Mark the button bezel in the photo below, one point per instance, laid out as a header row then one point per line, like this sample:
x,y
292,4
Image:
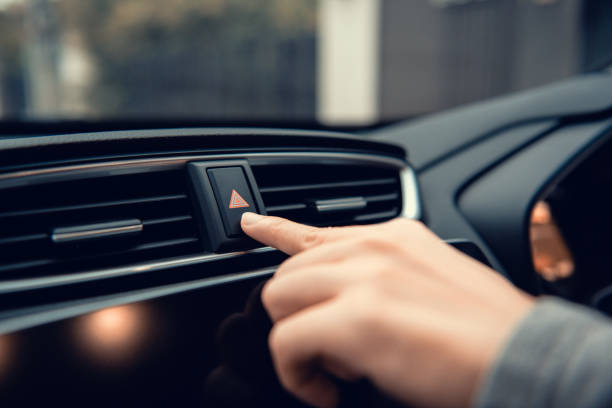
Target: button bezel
x,y
208,215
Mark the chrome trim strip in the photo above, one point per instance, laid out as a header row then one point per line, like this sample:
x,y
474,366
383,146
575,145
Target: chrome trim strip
x,y
410,191
341,204
60,237
49,281
124,166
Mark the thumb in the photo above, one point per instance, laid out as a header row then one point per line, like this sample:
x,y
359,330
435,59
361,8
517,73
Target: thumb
x,y
287,236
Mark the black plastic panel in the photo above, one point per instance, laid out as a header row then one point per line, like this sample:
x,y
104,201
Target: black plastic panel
x,y
499,203
195,344
441,184
214,223
33,151
435,138
158,353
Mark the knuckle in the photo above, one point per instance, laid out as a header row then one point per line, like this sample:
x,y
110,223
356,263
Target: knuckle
x,y
284,267
269,296
371,240
364,302
289,265
278,340
376,241
384,272
312,238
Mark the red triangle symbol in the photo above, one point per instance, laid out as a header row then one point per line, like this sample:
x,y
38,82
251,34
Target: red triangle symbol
x,y
236,201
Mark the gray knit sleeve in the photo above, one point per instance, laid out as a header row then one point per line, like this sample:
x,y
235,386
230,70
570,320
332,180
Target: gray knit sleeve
x,y
560,356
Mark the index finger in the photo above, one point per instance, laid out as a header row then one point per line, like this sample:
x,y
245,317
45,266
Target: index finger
x,y
288,236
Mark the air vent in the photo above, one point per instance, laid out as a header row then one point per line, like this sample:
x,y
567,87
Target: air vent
x,y
84,224
330,194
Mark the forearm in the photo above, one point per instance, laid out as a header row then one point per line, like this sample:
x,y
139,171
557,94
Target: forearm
x,y
558,357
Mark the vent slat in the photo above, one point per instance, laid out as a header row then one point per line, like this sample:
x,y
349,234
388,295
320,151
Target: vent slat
x,y
139,248
23,238
292,191
168,243
381,197
376,216
25,265
286,207
167,220
318,186
362,218
93,206
302,206
30,213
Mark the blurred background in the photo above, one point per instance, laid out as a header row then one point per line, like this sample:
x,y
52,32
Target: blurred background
x,y
338,62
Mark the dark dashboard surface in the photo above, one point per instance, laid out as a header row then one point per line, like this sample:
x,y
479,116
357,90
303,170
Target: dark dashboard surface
x,y
205,346
194,334
160,352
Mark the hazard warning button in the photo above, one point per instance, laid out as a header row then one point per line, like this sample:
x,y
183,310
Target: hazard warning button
x,y
236,201
233,195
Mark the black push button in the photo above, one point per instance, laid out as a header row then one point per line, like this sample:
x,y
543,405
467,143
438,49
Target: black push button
x,y
223,190
233,195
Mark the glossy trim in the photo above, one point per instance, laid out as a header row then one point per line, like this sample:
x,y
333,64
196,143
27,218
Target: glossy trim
x,y
36,176
411,199
50,281
61,235
341,204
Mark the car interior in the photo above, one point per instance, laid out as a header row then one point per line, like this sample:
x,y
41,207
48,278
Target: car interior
x,y
125,278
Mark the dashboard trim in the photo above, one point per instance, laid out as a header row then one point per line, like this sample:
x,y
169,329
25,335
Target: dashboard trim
x,y
17,285
411,202
127,166
410,205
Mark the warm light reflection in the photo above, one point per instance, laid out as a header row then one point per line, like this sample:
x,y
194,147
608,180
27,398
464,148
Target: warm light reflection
x,y
6,354
551,256
114,335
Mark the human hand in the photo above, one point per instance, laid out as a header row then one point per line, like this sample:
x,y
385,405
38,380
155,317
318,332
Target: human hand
x,y
391,303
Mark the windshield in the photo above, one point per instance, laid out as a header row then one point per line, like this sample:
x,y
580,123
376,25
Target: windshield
x,y
351,62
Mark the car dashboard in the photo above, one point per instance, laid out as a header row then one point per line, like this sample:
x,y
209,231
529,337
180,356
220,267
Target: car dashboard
x,y
125,279
122,276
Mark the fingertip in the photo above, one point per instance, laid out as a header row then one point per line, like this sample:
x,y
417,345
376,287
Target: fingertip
x,y
288,236
248,219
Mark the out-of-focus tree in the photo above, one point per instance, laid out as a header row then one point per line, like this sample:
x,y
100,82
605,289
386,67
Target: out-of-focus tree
x,y
11,63
189,58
